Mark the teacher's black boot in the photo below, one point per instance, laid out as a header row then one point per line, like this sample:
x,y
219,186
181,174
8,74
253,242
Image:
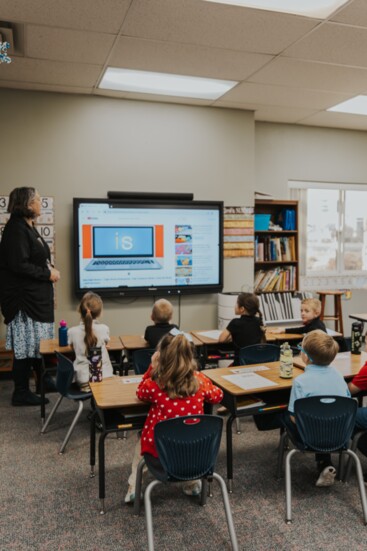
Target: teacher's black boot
x,y
22,396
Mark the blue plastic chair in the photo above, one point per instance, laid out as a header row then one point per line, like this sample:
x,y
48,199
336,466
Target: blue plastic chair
x,y
187,450
257,353
325,425
141,359
64,386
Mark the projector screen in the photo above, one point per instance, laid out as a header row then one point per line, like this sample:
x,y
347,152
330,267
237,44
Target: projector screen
x,y
134,248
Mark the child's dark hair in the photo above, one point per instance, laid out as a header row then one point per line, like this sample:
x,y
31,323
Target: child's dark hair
x,y
90,308
19,201
176,367
250,302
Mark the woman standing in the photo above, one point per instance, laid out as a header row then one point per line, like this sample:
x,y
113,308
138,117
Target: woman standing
x,y
26,290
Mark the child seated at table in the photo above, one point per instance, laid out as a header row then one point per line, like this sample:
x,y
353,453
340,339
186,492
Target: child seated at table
x,y
359,385
174,387
247,329
88,334
161,316
310,315
318,350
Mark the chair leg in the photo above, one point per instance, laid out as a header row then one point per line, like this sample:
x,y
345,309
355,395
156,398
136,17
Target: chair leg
x,y
148,513
227,508
138,484
53,411
353,448
238,425
72,427
362,490
288,486
283,443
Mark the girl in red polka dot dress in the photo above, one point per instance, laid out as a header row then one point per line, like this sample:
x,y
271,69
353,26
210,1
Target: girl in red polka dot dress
x,y
174,388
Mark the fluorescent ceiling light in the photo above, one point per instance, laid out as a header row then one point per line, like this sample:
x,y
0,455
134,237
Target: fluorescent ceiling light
x,y
319,9
356,106
164,84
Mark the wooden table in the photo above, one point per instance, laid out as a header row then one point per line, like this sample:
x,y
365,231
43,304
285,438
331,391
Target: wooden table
x,y
48,349
6,357
118,409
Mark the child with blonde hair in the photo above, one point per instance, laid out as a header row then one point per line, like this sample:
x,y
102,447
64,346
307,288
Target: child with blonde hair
x,y
248,328
161,316
88,334
310,314
174,388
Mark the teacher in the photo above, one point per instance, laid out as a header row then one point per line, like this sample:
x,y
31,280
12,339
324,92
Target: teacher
x,y
26,290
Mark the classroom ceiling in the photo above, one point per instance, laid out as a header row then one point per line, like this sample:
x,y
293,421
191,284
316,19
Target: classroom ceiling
x,y
290,69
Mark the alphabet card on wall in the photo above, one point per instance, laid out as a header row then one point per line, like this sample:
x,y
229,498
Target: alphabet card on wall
x,y
238,238
45,223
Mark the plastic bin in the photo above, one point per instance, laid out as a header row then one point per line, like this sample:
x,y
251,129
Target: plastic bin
x,y
262,222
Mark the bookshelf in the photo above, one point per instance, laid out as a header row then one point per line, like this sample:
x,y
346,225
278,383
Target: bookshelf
x,y
276,251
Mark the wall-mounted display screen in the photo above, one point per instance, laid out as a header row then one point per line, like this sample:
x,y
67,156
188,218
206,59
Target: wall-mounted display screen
x,y
135,248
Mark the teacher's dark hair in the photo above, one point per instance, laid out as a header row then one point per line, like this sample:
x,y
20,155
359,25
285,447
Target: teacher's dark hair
x,y
19,201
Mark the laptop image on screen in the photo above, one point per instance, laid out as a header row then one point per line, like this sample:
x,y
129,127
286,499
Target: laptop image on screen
x,y
123,248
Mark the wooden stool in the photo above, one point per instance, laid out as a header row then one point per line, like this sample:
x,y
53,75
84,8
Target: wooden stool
x,y
337,317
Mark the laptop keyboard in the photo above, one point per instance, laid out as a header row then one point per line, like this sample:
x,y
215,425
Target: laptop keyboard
x,y
124,262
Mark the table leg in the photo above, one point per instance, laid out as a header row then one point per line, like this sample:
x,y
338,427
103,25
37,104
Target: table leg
x,y
92,447
230,421
101,470
42,392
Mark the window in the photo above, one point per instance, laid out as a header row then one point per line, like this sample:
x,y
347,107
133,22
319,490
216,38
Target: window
x,y
333,229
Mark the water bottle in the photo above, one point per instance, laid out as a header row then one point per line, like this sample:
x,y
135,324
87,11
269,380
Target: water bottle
x,y
286,361
357,328
63,333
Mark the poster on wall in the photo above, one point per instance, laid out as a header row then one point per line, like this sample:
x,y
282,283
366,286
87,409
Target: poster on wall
x,y
238,238
45,223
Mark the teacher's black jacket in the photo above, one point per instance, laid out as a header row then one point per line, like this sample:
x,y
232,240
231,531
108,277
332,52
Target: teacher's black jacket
x,y
24,274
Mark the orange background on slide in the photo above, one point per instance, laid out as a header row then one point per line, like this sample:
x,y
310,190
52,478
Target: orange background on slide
x,y
87,241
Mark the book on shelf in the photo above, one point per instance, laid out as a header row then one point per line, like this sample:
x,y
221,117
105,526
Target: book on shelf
x,y
280,249
276,279
250,402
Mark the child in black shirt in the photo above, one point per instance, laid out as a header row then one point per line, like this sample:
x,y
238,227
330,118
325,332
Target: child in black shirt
x,y
161,316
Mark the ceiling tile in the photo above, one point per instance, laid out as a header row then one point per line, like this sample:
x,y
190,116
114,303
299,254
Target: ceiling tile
x,y
333,43
185,59
51,72
67,45
217,25
282,114
45,87
317,76
355,13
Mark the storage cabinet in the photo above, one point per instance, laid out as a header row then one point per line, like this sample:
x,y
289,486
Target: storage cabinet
x,y
276,249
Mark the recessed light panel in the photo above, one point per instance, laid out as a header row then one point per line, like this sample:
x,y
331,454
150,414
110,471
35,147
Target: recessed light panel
x,y
164,84
355,106
320,9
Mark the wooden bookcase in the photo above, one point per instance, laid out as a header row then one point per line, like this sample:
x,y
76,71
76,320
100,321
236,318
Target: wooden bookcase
x,y
276,251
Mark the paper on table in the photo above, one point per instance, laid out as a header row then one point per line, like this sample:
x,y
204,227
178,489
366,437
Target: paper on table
x,y
214,334
249,381
250,369
130,380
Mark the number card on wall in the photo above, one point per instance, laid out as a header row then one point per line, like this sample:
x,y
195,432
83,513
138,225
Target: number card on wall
x,y
45,223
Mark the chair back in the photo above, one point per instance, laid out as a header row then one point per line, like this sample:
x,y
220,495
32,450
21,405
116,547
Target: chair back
x,y
141,359
188,446
257,353
325,423
64,374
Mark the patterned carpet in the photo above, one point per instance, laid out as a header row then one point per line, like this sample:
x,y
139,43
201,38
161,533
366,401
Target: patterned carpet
x,y
49,503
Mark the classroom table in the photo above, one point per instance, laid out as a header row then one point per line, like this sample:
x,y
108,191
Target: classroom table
x,y
233,395
48,349
118,409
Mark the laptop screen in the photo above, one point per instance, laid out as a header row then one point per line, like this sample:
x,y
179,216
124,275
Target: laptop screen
x,y
123,241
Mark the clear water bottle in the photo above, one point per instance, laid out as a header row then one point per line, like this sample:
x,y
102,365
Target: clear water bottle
x,y
63,333
357,328
286,361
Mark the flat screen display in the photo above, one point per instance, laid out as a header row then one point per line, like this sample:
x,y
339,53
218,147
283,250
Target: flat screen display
x,y
138,248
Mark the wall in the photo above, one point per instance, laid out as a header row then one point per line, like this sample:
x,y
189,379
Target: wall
x,y
290,152
79,146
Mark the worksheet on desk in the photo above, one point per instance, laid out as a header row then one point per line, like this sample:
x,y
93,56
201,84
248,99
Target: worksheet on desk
x,y
249,381
213,334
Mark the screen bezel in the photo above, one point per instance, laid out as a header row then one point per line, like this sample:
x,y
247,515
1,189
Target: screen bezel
x,y
174,290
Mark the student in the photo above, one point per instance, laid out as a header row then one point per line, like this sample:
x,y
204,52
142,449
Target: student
x,y
87,334
318,351
161,316
356,385
246,330
174,388
310,314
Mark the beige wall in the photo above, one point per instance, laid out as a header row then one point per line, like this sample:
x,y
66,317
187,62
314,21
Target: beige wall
x,y
287,152
81,146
